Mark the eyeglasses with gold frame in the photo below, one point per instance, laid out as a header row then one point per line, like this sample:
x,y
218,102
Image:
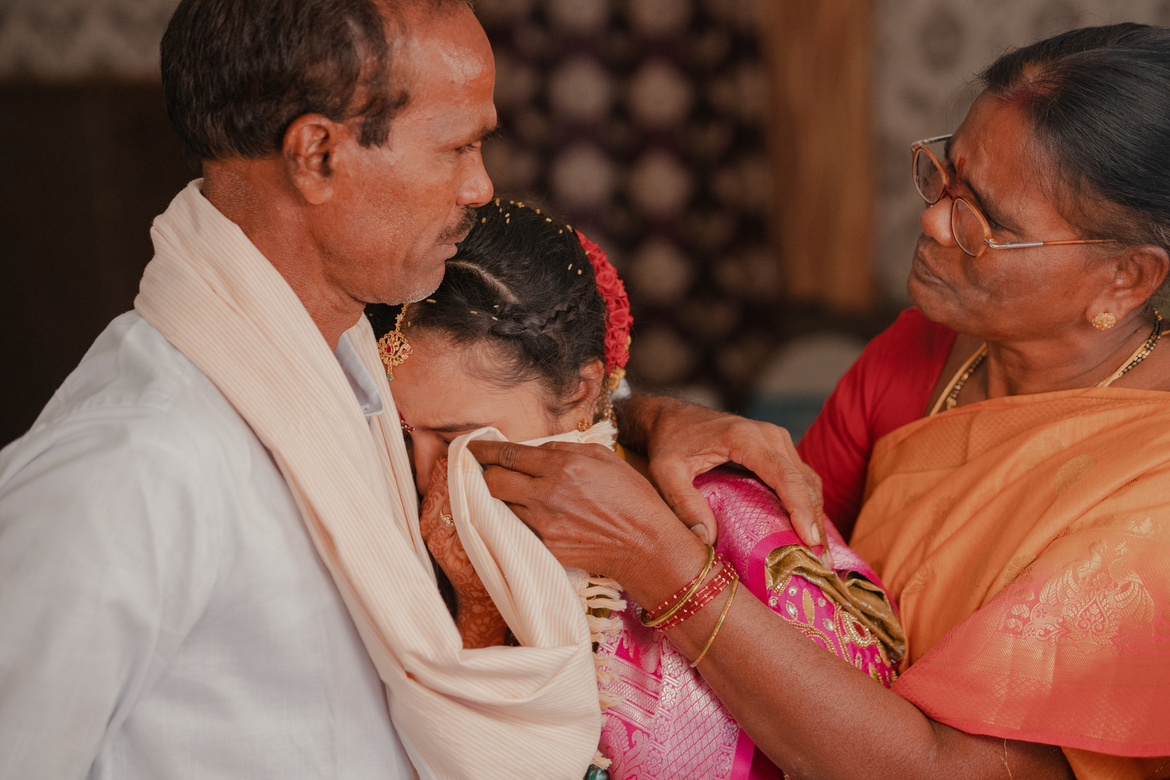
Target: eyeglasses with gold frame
x,y
971,230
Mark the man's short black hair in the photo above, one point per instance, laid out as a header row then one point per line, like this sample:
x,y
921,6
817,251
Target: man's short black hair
x,y
236,73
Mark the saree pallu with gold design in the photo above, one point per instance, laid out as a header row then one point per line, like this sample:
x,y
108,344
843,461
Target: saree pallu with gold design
x,y
667,722
1026,541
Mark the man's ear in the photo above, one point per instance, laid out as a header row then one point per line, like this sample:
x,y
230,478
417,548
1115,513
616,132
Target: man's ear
x,y
1140,272
309,148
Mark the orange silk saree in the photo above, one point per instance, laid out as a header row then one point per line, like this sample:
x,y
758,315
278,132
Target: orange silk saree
x,y
1027,543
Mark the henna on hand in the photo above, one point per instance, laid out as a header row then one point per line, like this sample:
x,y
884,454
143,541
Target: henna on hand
x,y
479,622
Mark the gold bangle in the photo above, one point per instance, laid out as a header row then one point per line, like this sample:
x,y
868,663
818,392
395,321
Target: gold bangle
x,y
718,623
669,613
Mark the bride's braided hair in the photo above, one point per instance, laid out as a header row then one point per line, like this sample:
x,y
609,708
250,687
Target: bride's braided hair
x,y
521,285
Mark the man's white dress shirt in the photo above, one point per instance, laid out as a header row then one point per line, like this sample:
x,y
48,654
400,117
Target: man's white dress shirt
x,y
163,613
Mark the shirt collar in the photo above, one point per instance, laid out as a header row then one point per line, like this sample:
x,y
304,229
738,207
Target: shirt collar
x,y
359,378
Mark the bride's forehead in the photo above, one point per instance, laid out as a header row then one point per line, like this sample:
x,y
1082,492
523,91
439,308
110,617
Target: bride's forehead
x,y
434,360
442,370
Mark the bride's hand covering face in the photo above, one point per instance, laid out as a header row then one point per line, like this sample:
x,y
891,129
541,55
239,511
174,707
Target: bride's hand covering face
x,y
479,622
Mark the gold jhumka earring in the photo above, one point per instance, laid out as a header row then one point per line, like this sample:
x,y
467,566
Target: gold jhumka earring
x,y
393,347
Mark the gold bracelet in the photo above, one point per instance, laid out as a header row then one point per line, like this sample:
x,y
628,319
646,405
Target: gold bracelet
x,y
669,613
718,623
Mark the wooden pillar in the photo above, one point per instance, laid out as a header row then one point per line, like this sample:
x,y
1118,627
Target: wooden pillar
x,y
821,143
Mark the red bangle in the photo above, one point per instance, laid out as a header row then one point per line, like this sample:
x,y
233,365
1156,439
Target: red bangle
x,y
702,598
679,600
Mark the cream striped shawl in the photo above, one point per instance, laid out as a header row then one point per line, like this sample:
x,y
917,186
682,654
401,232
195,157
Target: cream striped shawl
x,y
527,712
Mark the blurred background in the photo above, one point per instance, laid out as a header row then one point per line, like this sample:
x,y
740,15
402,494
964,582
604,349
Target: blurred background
x,y
744,162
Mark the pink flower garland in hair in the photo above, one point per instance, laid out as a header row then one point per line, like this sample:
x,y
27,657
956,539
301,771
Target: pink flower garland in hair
x,y
617,311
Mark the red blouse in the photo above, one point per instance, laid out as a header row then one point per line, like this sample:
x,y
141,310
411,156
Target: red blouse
x,y
888,387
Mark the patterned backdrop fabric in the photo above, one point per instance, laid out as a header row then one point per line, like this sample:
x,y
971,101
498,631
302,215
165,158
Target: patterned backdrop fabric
x,y
641,123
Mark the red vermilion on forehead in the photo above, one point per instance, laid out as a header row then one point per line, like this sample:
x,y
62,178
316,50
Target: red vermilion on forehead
x,y
1021,97
952,189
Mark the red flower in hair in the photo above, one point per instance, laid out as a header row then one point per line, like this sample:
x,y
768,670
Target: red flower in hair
x,y
617,306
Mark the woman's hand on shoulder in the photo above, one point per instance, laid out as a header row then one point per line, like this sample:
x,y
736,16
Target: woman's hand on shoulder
x,y
683,441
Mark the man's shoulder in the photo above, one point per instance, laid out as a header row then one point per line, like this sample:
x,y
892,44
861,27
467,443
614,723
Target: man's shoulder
x,y
138,445
134,395
132,369
133,378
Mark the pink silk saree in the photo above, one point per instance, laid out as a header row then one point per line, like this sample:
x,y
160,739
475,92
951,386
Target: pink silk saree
x,y
667,722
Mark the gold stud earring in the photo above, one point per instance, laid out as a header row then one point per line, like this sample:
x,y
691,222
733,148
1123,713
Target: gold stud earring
x,y
1104,321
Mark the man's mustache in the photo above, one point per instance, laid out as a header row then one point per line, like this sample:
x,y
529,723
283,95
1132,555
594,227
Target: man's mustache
x,y
460,229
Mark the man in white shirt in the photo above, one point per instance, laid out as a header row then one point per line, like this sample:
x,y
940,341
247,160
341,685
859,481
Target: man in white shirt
x,y
163,612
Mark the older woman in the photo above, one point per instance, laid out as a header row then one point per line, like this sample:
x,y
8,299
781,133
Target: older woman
x,y
1016,431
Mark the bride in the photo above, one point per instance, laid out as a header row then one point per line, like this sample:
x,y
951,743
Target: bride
x,y
528,335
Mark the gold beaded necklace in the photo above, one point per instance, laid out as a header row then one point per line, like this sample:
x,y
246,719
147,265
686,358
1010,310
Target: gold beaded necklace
x,y
950,397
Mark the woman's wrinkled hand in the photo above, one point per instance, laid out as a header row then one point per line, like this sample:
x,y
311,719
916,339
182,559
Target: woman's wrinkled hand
x,y
479,622
683,441
590,508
